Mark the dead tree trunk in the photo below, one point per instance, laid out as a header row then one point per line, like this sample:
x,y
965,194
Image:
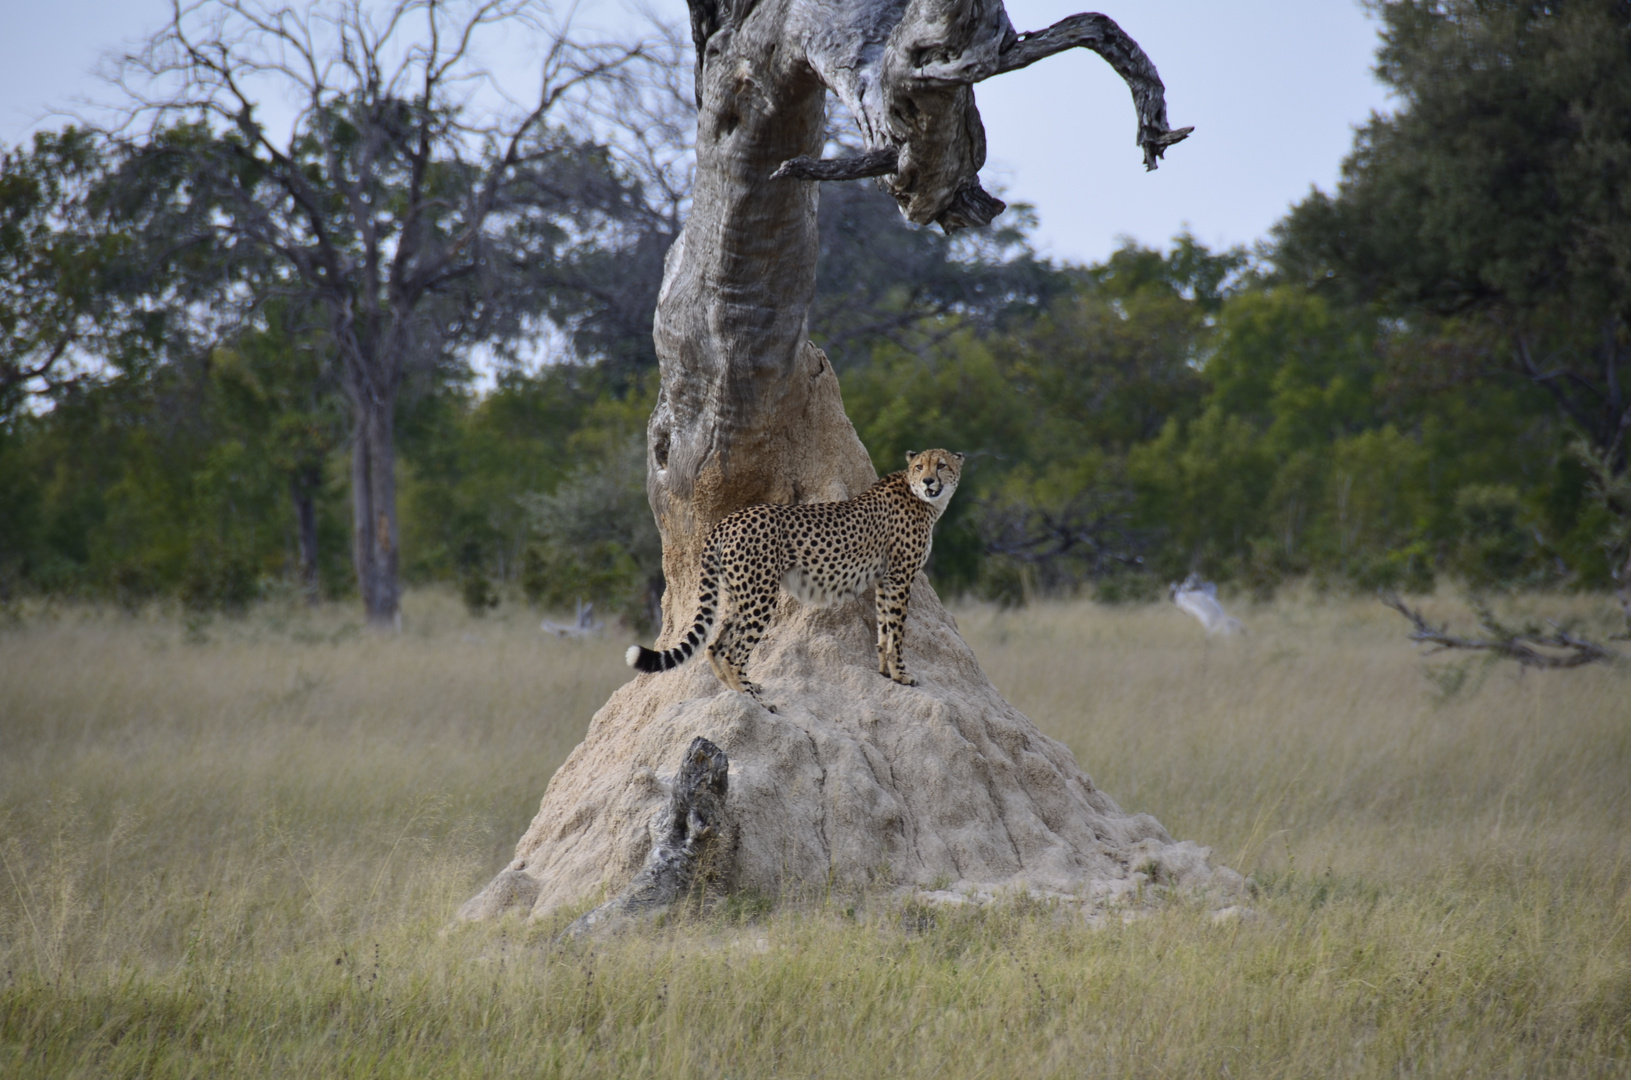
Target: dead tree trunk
x,y
856,779
688,824
747,411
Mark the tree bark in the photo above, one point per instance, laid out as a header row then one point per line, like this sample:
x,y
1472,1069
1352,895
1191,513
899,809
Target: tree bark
x,y
303,485
747,409
855,779
373,506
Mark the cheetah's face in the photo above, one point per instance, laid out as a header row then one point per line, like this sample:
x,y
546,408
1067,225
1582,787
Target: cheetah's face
x,y
933,475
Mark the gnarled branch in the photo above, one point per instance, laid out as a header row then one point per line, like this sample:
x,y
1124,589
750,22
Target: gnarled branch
x,y
1101,34
932,57
874,163
1522,645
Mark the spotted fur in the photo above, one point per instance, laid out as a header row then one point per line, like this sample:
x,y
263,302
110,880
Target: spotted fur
x,y
822,554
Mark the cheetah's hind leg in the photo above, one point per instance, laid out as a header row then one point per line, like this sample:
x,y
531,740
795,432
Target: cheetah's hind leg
x,y
752,629
723,658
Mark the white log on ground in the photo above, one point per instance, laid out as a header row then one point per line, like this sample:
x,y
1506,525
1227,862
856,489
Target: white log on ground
x,y
855,780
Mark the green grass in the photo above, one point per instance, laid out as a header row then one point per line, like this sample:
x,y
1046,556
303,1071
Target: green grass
x,y
236,847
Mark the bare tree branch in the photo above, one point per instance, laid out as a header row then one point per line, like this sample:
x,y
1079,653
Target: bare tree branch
x,y
1523,645
1092,531
904,95
1100,34
873,163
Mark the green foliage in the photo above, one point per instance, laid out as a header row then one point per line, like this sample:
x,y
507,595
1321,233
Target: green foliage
x,y
1503,180
468,461
1490,216
1430,379
1495,548
539,484
595,539
67,278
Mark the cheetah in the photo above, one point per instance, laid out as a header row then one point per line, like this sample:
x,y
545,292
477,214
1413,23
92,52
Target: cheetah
x,y
821,553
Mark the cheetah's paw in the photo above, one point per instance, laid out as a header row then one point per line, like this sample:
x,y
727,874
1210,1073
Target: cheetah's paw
x,y
756,692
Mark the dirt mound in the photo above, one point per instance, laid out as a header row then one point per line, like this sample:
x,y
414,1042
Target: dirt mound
x,y
854,780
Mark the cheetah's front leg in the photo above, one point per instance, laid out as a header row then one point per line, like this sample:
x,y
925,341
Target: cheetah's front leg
x,y
894,593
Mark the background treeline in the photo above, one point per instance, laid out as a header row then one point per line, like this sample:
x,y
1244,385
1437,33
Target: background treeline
x,y
1426,372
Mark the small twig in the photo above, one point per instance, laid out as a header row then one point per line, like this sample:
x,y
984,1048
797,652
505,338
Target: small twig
x,y
1520,645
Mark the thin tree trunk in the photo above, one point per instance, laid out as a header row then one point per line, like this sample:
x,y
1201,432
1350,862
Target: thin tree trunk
x,y
1617,409
373,501
303,485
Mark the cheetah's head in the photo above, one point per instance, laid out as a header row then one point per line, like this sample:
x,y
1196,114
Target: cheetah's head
x,y
933,475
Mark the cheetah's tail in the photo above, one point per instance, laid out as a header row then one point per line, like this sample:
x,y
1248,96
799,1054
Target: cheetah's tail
x,y
643,659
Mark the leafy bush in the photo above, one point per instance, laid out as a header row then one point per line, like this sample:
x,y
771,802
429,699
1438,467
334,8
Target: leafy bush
x,y
595,539
1497,550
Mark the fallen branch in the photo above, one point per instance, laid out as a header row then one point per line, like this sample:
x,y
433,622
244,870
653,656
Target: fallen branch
x,y
1513,644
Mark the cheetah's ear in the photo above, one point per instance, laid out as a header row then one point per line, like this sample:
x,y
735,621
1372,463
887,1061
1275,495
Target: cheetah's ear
x,y
958,456
910,454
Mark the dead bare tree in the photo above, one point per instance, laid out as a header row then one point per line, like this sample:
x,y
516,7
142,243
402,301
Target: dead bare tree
x,y
390,195
739,374
857,776
1527,645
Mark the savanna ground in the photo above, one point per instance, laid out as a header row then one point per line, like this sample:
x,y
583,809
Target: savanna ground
x,y
236,847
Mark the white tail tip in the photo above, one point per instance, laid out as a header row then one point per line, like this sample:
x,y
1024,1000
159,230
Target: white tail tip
x,y
632,655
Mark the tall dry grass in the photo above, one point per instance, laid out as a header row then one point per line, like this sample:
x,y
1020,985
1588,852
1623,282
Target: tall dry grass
x,y
235,848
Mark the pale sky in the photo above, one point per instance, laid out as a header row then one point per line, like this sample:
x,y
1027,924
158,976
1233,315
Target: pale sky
x,y
1274,89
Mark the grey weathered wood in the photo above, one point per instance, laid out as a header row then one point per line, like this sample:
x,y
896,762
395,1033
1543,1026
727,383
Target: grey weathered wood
x,y
690,821
1088,31
1103,36
747,410
875,163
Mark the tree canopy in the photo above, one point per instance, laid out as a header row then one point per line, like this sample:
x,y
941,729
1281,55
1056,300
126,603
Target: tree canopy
x,y
1422,374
